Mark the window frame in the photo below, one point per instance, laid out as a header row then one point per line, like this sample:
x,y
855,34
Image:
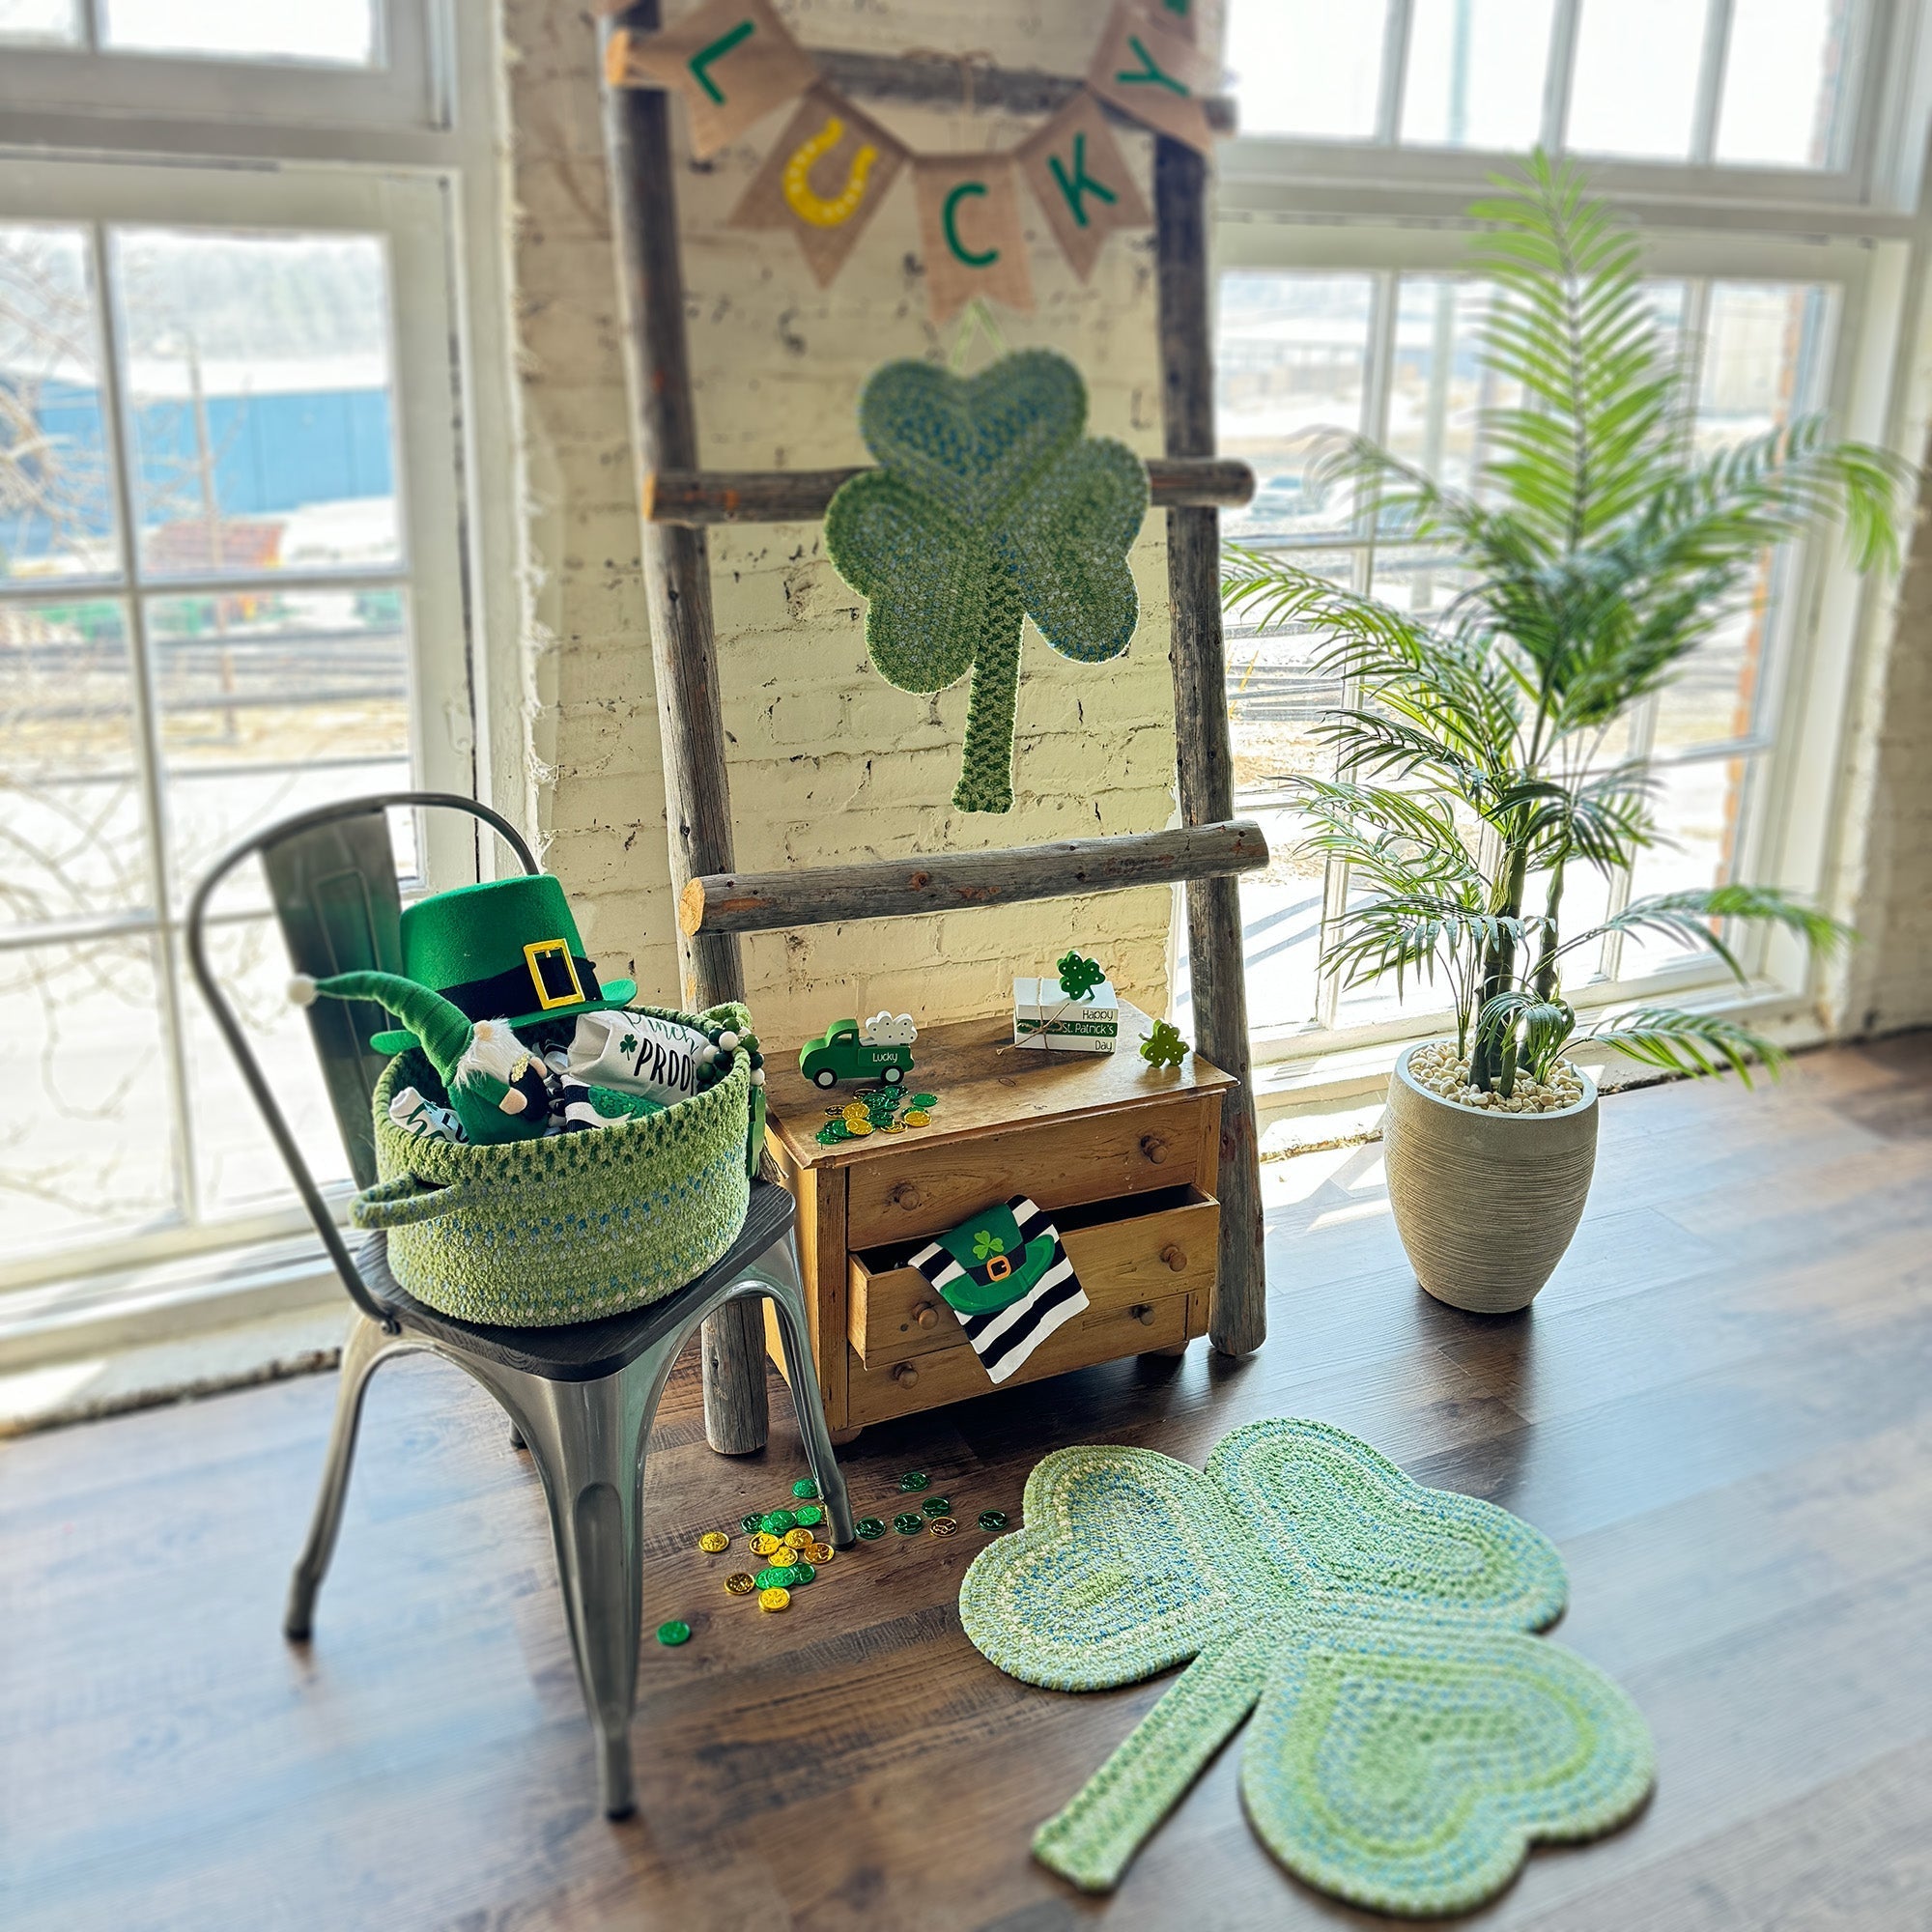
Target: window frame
x,y
401,164
1382,208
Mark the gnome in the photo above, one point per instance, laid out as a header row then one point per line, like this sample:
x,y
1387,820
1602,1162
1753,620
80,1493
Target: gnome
x,y
495,1085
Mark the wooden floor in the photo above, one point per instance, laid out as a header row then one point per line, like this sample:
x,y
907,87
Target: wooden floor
x,y
1720,1409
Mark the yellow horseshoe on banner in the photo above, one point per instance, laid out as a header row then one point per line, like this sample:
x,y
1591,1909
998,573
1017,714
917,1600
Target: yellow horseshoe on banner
x,y
815,209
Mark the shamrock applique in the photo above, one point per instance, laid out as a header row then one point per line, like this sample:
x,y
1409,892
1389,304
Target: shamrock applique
x,y
990,504
1410,1739
1079,976
986,1244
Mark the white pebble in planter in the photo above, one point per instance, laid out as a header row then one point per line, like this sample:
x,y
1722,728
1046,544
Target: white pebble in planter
x,y
1486,1202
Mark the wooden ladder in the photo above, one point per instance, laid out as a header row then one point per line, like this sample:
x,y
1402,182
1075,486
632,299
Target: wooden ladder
x,y
678,499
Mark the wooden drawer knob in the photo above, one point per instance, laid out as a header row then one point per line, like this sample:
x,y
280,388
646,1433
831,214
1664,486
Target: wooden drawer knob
x,y
1142,1312
1154,1150
906,1376
1175,1257
905,1195
925,1315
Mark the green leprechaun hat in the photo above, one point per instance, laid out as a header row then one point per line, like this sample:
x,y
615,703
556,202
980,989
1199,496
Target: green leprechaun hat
x,y
1000,1265
505,949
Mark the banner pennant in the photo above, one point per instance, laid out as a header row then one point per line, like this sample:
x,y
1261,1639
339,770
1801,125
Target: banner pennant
x,y
824,181
732,61
1150,71
969,221
1081,180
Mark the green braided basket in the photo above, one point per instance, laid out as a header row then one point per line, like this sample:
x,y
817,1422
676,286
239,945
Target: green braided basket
x,y
536,1234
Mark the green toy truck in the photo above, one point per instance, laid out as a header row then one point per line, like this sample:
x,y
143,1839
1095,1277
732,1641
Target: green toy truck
x,y
879,1050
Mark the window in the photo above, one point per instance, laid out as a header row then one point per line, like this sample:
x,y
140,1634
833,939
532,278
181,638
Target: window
x,y
1341,307
231,586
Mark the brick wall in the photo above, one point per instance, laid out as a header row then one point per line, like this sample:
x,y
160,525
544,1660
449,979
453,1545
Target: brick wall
x,y
828,761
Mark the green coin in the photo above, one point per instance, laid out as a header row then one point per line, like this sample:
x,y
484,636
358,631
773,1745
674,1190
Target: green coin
x,y
804,1486
675,1631
908,1525
923,1100
936,1506
870,1527
810,1517
992,1518
777,1579
801,1572
914,1479
750,1524
778,1523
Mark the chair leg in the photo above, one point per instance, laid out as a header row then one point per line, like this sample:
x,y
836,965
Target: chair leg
x,y
777,1274
587,1441
367,1345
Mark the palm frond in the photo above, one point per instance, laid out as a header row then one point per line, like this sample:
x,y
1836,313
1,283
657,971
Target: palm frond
x,y
1687,1043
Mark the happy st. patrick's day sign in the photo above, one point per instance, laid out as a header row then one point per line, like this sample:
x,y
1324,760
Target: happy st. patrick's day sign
x,y
734,62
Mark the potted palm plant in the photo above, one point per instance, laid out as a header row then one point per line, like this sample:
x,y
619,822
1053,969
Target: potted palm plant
x,y
1471,778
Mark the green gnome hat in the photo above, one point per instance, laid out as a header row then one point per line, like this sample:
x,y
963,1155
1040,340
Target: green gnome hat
x,y
441,1029
493,1081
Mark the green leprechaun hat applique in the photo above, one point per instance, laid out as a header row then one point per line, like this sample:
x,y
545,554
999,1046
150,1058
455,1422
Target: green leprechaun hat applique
x,y
508,948
995,1263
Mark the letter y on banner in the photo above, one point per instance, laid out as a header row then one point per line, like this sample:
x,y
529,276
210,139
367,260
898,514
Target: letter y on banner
x,y
1080,178
824,181
731,60
1149,70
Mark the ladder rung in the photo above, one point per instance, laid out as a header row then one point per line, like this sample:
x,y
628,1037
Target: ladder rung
x,y
960,881
800,496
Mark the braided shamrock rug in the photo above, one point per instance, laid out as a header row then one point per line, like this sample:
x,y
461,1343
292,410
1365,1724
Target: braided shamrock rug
x,y
1410,1739
990,504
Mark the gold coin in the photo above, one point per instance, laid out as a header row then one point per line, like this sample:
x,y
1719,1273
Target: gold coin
x,y
895,1126
800,1539
943,1525
918,1117
712,1541
740,1583
859,1128
783,1558
774,1599
857,1110
763,1544
819,1553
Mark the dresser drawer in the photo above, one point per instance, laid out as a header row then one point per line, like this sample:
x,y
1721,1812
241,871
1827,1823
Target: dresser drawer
x,y
1127,1252
924,1191
879,1394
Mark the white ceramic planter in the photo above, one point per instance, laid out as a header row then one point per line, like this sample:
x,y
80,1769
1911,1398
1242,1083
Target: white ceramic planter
x,y
1485,1203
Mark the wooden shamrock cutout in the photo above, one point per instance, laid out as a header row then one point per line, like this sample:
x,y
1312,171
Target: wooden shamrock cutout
x,y
1164,1045
990,505
1079,976
1410,1739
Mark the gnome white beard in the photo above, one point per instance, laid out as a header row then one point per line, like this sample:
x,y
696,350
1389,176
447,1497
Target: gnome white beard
x,y
493,1051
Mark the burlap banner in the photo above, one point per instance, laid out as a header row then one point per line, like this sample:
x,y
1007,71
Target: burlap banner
x,y
1080,177
731,60
969,219
734,62
824,181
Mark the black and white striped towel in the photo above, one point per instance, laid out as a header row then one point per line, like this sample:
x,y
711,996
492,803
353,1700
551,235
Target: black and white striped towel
x,y
1004,1338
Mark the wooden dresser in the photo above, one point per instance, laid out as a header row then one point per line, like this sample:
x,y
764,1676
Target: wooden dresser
x,y
1124,1156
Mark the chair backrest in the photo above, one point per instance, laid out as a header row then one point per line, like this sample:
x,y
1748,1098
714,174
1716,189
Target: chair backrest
x,y
332,877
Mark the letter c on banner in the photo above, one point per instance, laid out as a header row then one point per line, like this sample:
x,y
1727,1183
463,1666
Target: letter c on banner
x,y
815,209
949,220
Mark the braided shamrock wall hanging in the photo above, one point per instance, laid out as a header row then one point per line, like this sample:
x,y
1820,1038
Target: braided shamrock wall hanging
x,y
1411,1738
990,504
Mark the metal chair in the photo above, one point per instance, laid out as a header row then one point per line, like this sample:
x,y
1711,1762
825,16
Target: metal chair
x,y
579,1398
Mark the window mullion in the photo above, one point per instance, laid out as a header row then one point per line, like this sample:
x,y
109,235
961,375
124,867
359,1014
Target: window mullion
x,y
90,25
116,431
1711,82
1560,75
1394,74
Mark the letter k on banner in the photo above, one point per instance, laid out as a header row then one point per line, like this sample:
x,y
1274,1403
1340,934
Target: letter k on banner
x,y
1081,181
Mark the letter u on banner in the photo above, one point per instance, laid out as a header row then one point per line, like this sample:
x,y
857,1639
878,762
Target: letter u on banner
x,y
824,181
969,223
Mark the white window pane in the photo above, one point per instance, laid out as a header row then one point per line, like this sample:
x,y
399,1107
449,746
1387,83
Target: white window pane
x,y
54,20
1784,79
1698,807
1291,371
56,515
1635,90
70,802
236,1166
85,1150
1306,67
1439,389
296,29
261,401
1475,72
272,703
